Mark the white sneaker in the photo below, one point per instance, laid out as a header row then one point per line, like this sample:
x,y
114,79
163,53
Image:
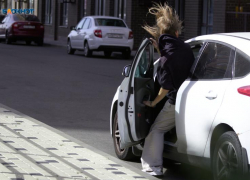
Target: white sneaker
x,y
154,171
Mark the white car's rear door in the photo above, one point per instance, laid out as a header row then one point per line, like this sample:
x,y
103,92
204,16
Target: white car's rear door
x,y
134,118
199,98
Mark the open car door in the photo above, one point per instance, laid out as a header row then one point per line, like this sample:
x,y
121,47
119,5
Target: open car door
x,y
135,118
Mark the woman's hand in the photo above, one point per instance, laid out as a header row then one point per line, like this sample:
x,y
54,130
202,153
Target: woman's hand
x,y
149,103
154,43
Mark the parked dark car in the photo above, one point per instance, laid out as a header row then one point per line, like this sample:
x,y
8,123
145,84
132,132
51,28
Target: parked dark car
x,y
2,17
28,28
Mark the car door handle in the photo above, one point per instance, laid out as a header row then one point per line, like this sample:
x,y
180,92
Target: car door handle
x,y
211,95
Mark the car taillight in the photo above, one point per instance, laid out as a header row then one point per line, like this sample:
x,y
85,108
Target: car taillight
x,y
130,36
15,25
245,90
98,33
41,27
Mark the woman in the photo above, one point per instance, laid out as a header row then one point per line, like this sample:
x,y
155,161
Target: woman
x,y
174,67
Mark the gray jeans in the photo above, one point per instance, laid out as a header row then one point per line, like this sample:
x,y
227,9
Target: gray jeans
x,y
154,143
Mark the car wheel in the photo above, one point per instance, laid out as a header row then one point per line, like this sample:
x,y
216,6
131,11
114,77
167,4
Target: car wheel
x,y
69,48
28,42
40,42
107,53
228,163
123,154
87,51
126,54
7,39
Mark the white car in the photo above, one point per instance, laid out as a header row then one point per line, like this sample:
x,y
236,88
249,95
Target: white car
x,y
101,33
212,107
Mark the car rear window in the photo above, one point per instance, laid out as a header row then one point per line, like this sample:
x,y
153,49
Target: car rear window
x,y
109,22
242,64
19,17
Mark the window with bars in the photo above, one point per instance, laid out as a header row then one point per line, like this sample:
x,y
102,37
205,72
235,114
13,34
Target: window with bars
x,y
64,14
207,17
120,9
48,12
31,4
100,7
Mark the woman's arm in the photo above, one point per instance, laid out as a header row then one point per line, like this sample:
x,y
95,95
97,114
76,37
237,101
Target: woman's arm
x,y
162,93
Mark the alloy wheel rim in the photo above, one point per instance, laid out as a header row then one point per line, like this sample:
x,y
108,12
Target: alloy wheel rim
x,y
226,162
118,138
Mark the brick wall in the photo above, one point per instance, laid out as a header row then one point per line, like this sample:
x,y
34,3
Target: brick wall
x,y
193,16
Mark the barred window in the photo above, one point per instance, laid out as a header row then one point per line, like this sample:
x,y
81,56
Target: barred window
x,y
120,9
64,14
48,12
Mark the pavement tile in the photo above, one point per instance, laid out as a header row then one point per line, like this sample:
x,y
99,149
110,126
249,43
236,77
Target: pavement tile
x,y
29,150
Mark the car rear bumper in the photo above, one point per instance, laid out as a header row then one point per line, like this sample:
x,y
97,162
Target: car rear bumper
x,y
98,44
23,37
114,48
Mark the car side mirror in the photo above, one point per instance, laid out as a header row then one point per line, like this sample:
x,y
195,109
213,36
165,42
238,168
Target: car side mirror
x,y
72,28
126,70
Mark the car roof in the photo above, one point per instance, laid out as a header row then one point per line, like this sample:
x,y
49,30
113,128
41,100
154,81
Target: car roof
x,y
106,17
240,40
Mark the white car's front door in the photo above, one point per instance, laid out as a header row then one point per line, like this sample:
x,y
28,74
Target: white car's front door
x,y
134,118
75,34
200,97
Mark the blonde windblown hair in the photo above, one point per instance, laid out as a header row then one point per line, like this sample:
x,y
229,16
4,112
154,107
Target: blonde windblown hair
x,y
167,21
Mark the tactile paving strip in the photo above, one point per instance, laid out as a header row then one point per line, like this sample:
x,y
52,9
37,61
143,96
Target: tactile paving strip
x,y
31,151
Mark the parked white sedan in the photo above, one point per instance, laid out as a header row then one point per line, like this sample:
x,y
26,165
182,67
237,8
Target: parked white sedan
x,y
212,107
101,33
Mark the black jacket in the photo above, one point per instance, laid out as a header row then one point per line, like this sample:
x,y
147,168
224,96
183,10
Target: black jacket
x,y
175,63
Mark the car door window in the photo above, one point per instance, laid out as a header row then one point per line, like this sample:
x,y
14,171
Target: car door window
x,y
142,68
80,24
213,62
86,24
242,64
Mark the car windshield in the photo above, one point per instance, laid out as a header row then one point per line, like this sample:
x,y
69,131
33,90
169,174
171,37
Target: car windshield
x,y
109,22
19,17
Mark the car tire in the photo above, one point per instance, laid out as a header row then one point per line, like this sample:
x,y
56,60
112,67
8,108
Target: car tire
x,y
123,154
69,48
28,42
87,51
7,39
40,42
228,161
126,54
107,53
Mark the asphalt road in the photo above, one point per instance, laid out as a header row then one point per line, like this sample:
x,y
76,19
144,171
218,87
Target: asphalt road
x,y
71,93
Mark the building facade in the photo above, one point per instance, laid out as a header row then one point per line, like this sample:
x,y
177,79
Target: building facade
x,y
198,16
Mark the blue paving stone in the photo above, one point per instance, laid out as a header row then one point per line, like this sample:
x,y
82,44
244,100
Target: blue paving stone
x,y
5,163
21,149
87,168
115,165
118,172
82,159
52,149
36,174
8,141
111,169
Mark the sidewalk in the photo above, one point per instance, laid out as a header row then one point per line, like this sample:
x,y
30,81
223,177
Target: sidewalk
x,y
30,149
